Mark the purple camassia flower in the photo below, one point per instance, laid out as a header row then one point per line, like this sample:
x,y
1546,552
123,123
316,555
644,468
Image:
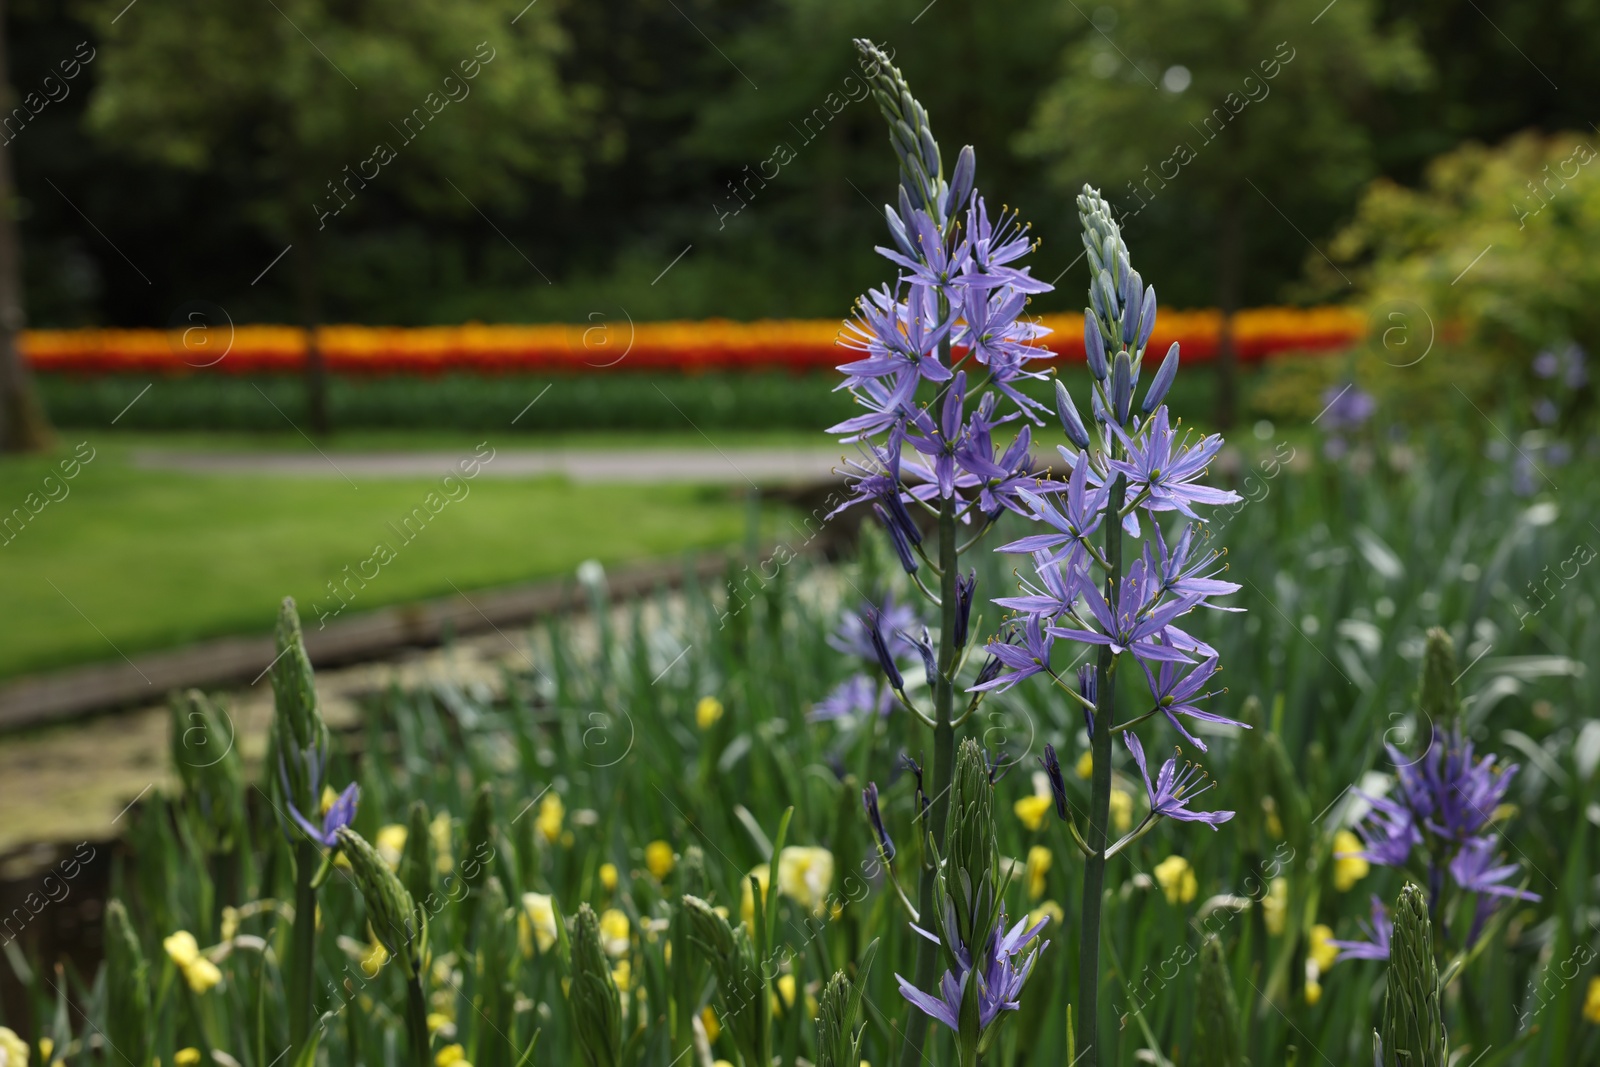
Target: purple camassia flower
x,y
894,620
888,401
896,335
935,267
994,334
1057,591
1179,694
1172,792
1472,871
1024,660
340,814
999,976
1389,832
1162,465
1140,624
1378,931
1181,576
878,479
858,695
1072,525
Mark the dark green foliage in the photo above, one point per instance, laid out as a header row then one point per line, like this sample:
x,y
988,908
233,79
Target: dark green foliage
x,y
1217,1041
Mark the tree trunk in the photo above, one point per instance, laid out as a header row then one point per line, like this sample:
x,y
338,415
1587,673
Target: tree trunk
x,y
307,295
23,426
1230,267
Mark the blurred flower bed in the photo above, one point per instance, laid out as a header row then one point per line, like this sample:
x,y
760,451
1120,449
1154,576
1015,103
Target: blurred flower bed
x,y
680,347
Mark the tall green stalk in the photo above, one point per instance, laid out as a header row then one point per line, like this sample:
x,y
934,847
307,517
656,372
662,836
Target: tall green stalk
x,y
302,944
944,747
1094,867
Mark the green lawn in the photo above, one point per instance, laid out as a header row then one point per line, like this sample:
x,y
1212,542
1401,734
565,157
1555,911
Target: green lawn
x,y
142,560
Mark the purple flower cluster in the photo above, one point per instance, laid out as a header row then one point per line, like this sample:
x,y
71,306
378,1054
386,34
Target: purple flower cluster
x,y
1000,972
882,634
1440,812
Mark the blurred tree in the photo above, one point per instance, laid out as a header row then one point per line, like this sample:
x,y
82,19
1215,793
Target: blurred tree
x,y
23,426
1238,120
447,105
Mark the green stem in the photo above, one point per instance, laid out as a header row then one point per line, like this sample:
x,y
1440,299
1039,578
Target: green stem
x,y
944,748
1094,868
417,1020
302,947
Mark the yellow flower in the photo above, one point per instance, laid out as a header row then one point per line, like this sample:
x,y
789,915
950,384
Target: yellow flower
x,y
1039,860
622,975
1086,765
1591,1003
439,831
329,797
708,1019
722,1063
1322,951
391,842
374,960
747,905
614,932
1048,910
1275,906
47,1046
186,1057
230,924
452,1056
537,923
804,875
1121,810
184,951
707,712
1313,990
549,820
1348,868
13,1050
1177,880
182,948
659,858
1032,810
608,876
202,975
1274,824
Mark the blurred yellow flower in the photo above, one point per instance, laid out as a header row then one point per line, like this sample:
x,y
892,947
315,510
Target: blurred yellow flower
x,y
747,904
1274,824
608,876
1038,866
804,875
199,972
707,712
47,1046
184,1057
537,923
329,797
1177,880
438,1020
390,843
1048,910
1591,1001
451,1056
1121,810
708,1019
622,975
722,1063
1322,951
549,819
1275,906
659,858
614,932
376,956
13,1048
439,832
1313,990
1348,868
1032,810
1086,765
786,989
230,923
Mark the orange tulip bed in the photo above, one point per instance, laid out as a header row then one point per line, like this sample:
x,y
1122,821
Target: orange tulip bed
x,y
799,346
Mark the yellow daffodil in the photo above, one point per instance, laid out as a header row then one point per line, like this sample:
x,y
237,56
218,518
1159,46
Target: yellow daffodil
x,y
804,875
391,843
438,1020
47,1046
1177,880
537,923
1275,906
1086,765
1348,867
622,974
186,1057
747,904
1322,951
708,1019
1313,989
439,832
614,932
608,877
199,972
1039,860
230,923
13,1050
1121,810
1032,810
329,798
551,811
452,1056
707,712
374,959
1591,1001
659,858
1048,910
